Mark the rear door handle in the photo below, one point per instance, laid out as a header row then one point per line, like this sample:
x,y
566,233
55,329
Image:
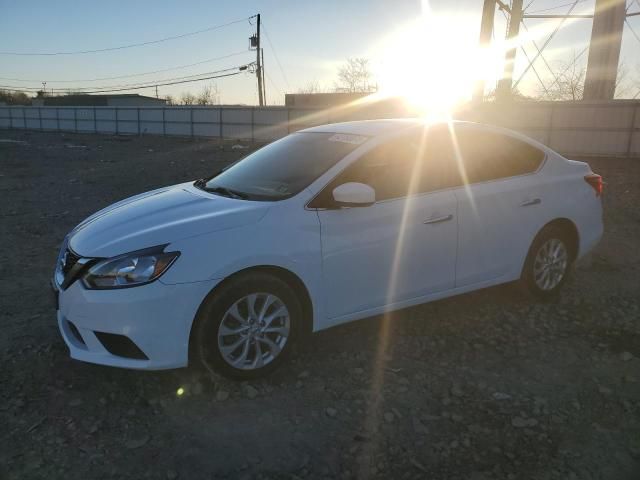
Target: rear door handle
x,y
441,219
527,203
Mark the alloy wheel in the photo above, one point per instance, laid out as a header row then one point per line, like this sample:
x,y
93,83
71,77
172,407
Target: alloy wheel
x,y
254,331
550,264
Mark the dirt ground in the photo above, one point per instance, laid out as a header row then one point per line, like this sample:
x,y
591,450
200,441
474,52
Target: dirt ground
x,y
489,385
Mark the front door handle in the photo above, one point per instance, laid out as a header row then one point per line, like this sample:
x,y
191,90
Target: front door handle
x,y
527,203
444,218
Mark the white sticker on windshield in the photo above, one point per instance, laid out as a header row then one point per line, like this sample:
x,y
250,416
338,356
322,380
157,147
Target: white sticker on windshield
x,y
347,138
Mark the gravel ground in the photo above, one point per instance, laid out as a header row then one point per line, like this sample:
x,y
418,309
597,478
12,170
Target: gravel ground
x,y
488,385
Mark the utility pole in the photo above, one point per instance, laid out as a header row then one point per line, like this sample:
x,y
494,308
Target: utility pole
x,y
486,29
259,65
156,91
503,91
264,84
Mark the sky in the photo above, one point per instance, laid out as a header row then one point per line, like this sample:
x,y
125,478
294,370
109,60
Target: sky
x,y
308,39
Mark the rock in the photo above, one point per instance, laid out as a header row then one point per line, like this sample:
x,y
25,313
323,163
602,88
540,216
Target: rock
x,y
605,390
303,374
456,391
418,426
518,422
222,395
501,396
76,402
331,412
389,417
137,442
197,388
418,465
172,475
251,391
626,356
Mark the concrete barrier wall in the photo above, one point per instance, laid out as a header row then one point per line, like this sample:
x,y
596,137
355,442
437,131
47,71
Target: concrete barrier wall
x,y
573,128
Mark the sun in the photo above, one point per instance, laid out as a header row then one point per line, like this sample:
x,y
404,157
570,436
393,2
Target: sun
x,y
434,61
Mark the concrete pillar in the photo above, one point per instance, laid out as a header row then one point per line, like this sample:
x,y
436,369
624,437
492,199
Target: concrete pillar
x,y
604,50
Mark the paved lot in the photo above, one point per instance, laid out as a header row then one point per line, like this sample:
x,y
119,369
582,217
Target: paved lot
x,y
489,385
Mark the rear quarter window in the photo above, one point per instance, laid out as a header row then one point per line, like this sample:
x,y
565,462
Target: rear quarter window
x,y
490,156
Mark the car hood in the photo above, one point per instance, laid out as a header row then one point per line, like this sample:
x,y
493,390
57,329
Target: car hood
x,y
158,217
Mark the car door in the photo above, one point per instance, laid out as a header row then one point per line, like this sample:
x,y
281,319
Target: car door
x,y
401,247
499,207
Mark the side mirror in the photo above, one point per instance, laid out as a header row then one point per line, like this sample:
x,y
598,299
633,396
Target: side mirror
x,y
354,194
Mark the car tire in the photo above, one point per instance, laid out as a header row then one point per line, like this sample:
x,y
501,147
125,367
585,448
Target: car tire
x,y
548,263
246,328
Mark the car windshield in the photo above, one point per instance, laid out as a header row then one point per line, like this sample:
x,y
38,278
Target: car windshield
x,y
283,168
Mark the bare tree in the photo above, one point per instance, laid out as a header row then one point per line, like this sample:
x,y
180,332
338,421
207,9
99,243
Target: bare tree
x,y
187,98
312,87
355,76
14,98
209,95
625,85
170,100
568,83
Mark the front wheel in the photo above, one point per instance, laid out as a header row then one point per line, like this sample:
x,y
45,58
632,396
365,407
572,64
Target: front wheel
x,y
246,329
548,263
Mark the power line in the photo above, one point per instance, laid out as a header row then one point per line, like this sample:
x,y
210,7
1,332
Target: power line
x,y
132,45
179,67
544,45
150,83
556,7
132,84
273,84
286,81
632,30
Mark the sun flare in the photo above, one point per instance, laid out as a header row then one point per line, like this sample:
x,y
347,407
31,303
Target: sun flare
x,y
434,61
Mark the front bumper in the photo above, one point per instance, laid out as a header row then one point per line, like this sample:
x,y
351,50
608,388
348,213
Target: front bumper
x,y
156,318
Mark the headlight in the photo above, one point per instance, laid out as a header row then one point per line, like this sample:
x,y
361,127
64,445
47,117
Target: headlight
x,y
129,270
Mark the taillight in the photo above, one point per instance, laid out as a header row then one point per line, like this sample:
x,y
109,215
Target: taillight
x,y
595,181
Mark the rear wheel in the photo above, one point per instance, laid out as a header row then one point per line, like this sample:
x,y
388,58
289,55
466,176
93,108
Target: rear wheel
x,y
548,263
246,329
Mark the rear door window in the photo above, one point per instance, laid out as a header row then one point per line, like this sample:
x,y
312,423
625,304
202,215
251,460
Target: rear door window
x,y
489,156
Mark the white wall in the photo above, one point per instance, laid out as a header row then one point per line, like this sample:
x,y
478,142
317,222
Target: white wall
x,y
580,128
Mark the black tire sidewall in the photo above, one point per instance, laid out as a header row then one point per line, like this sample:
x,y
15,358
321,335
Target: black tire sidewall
x,y
528,277
218,302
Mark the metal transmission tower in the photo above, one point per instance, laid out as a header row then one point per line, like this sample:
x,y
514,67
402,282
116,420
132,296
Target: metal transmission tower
x,y
486,31
503,91
604,50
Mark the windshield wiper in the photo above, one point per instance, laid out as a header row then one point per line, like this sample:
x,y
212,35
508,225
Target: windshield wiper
x,y
226,192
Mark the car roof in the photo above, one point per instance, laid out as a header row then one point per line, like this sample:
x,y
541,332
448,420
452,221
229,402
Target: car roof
x,y
370,128
373,128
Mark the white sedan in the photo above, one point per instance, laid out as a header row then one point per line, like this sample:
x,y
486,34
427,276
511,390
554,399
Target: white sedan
x,y
325,226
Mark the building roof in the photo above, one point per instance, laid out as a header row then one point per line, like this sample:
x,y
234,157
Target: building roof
x,y
94,100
